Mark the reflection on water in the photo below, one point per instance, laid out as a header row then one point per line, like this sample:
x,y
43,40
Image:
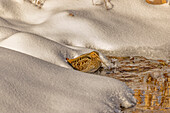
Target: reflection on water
x,y
153,94
149,79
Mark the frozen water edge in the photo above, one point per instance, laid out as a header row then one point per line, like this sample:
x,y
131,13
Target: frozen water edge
x,y
32,85
161,52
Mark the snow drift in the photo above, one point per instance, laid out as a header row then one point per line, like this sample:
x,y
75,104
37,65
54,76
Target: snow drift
x,y
35,42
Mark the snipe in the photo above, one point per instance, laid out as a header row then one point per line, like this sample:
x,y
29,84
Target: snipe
x,y
89,62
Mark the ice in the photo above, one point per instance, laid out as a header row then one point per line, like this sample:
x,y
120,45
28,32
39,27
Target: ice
x,y
35,42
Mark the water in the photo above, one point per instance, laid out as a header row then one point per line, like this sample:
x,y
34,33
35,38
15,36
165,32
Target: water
x,y
148,78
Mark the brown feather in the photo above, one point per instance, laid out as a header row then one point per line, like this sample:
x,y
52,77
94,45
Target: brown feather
x,y
87,62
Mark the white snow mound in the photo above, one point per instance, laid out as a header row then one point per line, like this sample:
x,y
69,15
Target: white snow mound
x,y
35,42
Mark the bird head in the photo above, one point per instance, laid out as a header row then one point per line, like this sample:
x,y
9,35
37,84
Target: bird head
x,y
94,54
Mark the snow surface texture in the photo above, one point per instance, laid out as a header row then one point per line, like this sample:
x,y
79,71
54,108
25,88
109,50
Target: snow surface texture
x,y
34,75
31,85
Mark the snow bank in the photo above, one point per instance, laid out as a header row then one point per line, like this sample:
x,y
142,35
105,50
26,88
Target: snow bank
x,y
128,25
35,77
31,85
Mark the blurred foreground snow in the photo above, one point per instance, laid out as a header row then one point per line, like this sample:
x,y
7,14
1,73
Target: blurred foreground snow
x,y
35,42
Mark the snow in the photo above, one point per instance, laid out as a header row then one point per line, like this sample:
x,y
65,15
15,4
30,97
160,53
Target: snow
x,y
32,85
35,42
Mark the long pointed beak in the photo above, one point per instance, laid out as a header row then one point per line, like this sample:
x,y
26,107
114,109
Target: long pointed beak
x,y
102,62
